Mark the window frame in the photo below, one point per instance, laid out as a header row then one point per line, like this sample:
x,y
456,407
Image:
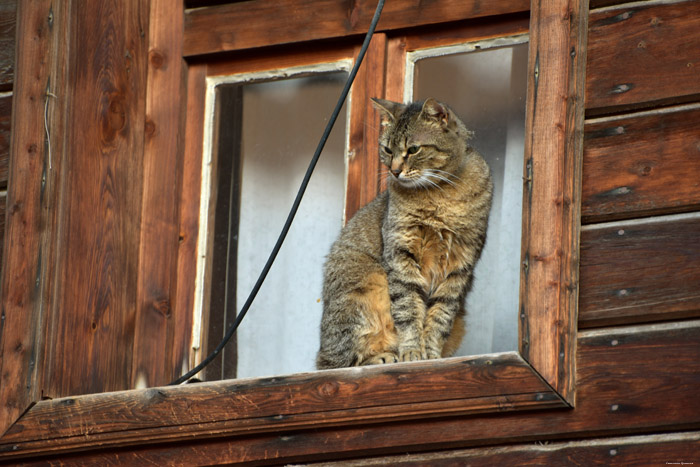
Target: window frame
x,y
539,376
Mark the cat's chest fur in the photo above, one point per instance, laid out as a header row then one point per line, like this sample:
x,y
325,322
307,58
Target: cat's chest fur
x,y
437,237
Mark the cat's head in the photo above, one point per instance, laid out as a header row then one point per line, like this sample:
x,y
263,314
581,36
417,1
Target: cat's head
x,y
423,144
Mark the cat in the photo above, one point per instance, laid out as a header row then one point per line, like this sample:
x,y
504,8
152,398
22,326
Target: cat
x,y
396,278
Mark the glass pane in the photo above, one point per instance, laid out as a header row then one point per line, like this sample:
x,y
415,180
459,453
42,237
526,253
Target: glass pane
x,y
280,125
487,89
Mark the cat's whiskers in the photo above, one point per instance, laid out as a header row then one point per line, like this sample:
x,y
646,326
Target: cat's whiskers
x,y
450,174
430,176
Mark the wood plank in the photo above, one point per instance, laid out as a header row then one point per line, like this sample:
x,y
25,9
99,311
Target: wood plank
x,y
364,395
162,167
238,26
638,379
363,168
3,209
31,204
643,53
661,449
642,164
8,21
91,327
467,31
5,126
190,190
640,271
552,192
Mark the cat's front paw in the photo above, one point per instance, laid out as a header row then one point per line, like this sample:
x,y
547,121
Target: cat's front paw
x,y
386,357
410,355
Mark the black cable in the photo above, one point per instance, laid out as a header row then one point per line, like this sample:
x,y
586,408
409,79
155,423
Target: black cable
x,y
295,206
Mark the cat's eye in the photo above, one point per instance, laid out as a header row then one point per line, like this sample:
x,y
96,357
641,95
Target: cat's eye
x,y
413,149
387,150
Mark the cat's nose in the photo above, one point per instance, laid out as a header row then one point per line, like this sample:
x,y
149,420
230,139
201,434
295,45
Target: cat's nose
x,y
396,172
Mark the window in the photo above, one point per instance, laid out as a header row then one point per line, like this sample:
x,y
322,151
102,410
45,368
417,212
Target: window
x,y
267,127
262,129
539,375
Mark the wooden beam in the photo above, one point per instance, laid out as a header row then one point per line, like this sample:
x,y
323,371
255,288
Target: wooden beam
x,y
363,167
357,396
31,204
154,331
551,205
237,26
188,226
90,326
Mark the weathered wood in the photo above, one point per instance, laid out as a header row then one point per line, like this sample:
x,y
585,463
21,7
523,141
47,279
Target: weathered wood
x,y
661,449
640,271
639,379
240,25
5,125
643,53
468,31
641,164
31,204
366,395
92,312
8,21
551,204
363,167
224,268
3,208
189,218
162,168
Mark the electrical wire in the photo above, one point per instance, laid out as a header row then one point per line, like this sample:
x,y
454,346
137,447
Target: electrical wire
x,y
295,206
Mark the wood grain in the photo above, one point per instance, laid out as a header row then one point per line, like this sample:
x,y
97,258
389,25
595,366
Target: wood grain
x,y
8,21
91,326
159,234
363,167
661,449
642,164
31,206
551,204
642,54
618,392
5,125
640,271
189,218
238,26
366,395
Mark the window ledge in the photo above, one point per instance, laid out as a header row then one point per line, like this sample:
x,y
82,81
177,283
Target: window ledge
x,y
455,386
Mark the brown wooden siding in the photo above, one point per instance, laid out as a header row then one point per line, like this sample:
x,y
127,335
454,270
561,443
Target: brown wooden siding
x,y
630,380
640,163
636,384
8,10
643,54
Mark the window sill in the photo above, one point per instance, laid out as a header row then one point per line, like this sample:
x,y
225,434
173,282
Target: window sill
x,y
456,386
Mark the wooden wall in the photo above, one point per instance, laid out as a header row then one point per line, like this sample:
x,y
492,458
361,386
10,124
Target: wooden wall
x,y
8,9
638,357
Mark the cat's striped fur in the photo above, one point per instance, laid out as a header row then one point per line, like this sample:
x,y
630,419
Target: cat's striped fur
x,y
396,278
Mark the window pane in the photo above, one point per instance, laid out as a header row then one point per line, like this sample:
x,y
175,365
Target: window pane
x,y
280,125
487,89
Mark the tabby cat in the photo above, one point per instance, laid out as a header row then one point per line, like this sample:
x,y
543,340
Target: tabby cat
x,y
396,278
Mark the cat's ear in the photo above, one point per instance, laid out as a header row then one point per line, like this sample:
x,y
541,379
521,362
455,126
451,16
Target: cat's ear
x,y
387,110
435,111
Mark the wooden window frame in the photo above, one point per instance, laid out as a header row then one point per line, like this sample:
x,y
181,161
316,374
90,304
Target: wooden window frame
x,y
538,376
